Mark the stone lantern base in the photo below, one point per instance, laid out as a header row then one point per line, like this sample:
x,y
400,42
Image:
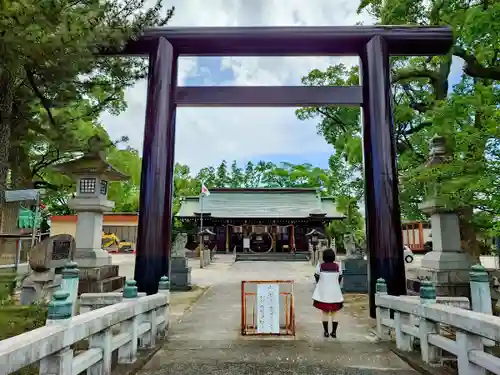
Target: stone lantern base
x,y
97,273
448,282
102,279
447,266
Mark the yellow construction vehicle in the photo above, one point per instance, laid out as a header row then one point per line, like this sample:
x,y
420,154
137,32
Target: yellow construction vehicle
x,y
111,242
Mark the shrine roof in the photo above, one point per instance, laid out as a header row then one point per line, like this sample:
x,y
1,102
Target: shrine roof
x,y
261,203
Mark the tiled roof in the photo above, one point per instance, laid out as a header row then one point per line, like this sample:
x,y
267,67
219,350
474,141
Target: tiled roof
x,y
260,203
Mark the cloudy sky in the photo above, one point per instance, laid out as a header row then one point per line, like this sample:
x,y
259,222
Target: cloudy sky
x,y
206,136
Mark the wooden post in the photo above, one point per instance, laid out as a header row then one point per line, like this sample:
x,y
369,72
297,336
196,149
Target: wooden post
x,y
154,231
383,219
274,229
420,235
228,234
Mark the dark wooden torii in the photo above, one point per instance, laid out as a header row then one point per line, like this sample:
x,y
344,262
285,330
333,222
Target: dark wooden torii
x,y
373,44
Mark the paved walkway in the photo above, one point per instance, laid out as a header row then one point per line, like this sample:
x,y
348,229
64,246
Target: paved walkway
x,y
207,340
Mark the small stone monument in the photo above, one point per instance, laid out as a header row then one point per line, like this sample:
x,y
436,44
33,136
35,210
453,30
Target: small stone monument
x,y
47,259
92,174
180,273
355,268
447,265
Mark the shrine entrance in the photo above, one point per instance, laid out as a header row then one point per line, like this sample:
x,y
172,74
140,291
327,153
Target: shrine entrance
x,y
373,44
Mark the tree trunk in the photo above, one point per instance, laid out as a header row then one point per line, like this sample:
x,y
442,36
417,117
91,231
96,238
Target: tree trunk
x,y
468,233
20,170
6,97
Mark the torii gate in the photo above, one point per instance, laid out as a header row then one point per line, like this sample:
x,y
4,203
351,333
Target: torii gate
x,y
374,45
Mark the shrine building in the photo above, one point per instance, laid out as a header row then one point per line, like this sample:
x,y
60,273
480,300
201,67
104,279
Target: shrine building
x,y
260,219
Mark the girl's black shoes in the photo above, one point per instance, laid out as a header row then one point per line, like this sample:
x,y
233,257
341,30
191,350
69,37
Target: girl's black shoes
x,y
334,329
325,329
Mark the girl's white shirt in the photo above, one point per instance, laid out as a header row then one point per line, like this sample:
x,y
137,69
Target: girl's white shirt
x,y
328,287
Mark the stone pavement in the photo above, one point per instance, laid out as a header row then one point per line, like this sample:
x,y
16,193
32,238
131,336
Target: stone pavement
x,y
206,339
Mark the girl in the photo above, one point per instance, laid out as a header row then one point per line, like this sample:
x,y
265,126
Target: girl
x,y
327,295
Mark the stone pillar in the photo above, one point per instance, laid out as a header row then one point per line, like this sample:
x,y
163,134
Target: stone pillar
x,y
128,352
383,221
88,237
69,283
97,273
427,293
59,312
480,294
155,212
130,289
355,268
180,272
164,288
447,265
383,331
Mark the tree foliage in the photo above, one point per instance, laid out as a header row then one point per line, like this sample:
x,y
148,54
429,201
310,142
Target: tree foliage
x,y
53,84
466,114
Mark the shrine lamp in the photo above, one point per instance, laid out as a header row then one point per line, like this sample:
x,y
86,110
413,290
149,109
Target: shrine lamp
x,y
206,236
314,237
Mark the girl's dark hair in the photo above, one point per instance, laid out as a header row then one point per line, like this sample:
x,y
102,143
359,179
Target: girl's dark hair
x,y
328,256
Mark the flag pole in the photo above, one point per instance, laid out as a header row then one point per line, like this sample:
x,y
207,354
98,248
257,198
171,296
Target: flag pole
x,y
201,230
201,212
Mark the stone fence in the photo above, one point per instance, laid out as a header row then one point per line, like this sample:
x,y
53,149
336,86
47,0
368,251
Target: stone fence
x,y
443,328
126,326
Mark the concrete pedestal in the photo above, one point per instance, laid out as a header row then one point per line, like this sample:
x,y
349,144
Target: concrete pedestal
x,y
180,274
103,279
447,266
355,275
39,287
448,282
97,274
89,252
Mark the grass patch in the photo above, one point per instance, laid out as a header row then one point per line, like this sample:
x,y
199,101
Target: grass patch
x,y
16,319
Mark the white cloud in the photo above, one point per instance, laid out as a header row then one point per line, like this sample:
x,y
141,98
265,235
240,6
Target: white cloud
x,y
207,135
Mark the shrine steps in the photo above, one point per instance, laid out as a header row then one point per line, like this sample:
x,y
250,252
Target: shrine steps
x,y
272,257
269,357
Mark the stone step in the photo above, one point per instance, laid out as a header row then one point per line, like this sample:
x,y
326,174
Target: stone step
x,y
260,356
281,368
272,257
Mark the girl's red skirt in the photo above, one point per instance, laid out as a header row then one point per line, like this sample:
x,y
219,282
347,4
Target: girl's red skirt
x,y
328,307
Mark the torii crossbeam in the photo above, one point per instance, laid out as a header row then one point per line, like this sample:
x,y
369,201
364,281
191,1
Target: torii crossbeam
x,y
373,44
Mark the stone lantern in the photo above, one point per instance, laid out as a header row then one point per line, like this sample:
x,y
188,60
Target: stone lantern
x,y
93,174
206,236
447,264
314,237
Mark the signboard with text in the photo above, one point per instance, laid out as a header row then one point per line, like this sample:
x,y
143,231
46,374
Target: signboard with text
x,y
268,301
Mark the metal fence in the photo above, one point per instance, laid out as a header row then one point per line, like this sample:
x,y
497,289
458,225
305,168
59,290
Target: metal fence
x,y
250,306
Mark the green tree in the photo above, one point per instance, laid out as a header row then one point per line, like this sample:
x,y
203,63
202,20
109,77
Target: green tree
x,y
424,104
49,64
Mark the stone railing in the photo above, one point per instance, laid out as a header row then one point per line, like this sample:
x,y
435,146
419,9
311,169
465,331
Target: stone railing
x,y
93,301
141,321
441,328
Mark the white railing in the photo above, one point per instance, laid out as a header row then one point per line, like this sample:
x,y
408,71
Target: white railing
x,y
467,334
140,320
471,328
